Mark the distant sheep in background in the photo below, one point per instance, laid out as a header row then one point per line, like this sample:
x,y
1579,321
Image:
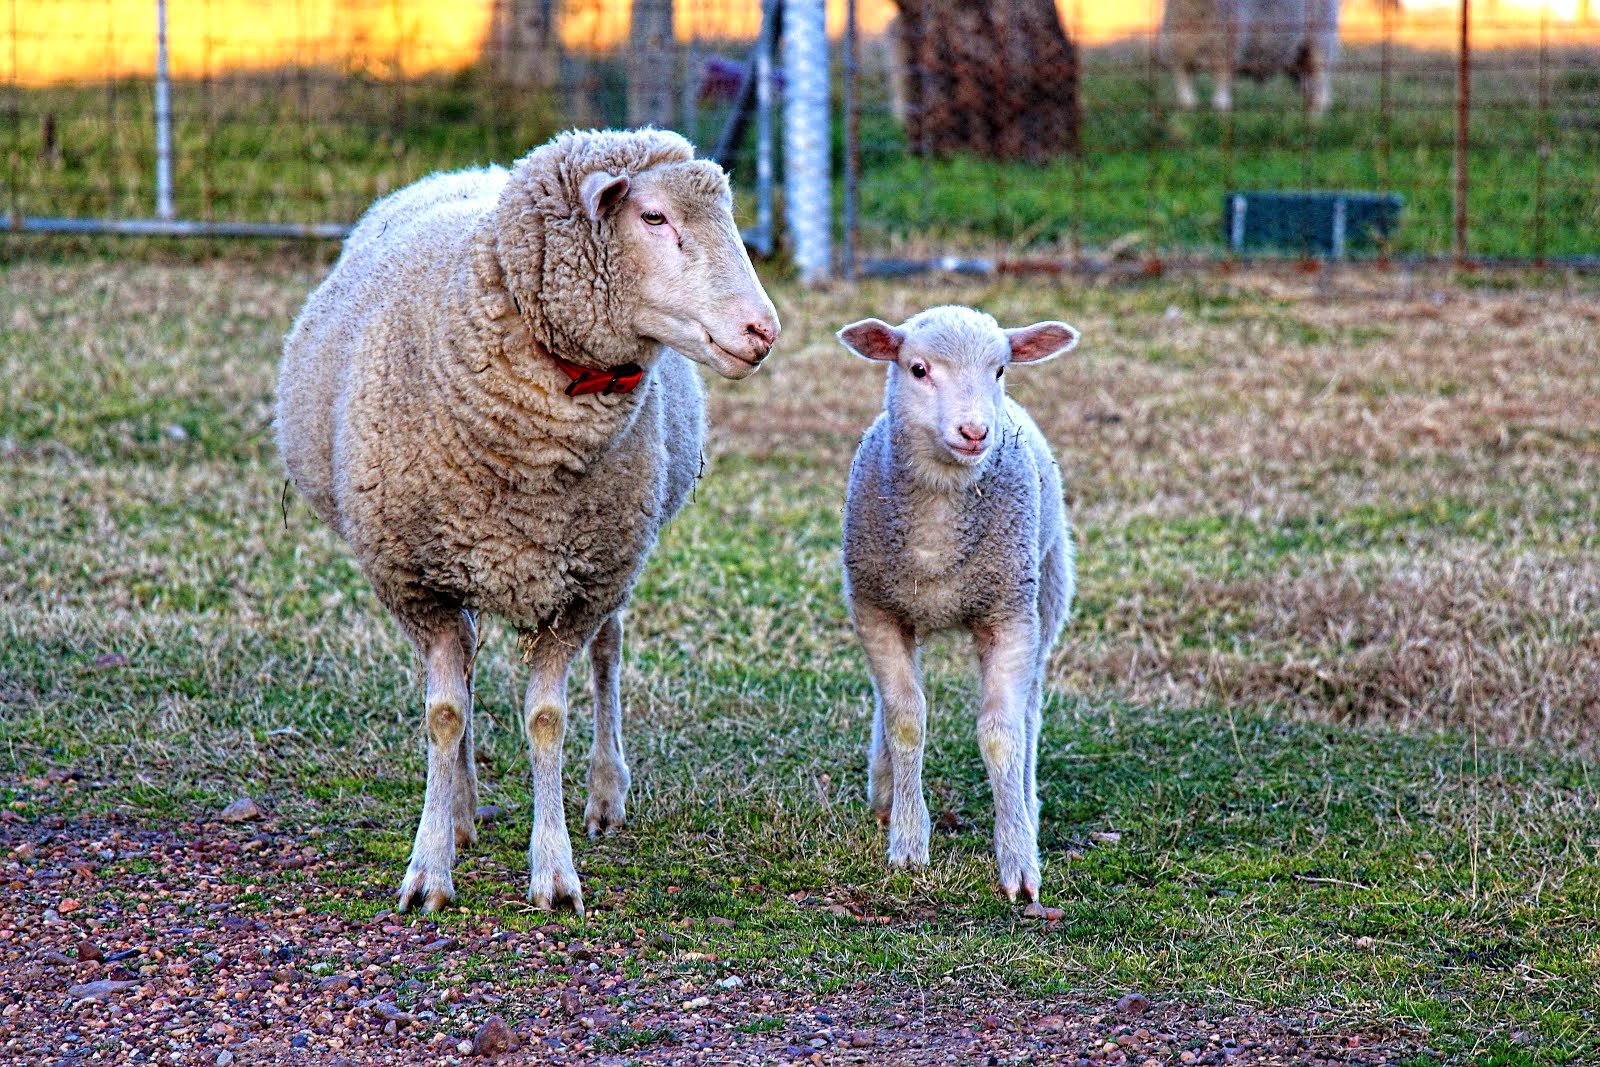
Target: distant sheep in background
x,y
954,520
1255,38
491,399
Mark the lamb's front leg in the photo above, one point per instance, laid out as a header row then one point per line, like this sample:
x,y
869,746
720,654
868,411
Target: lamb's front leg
x,y
1008,655
608,770
900,726
552,878
449,709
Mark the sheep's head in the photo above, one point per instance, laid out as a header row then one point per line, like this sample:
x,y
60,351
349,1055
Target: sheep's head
x,y
695,290
947,369
627,243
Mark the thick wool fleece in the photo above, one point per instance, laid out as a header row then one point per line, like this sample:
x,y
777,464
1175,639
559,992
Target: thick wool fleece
x,y
974,554
419,413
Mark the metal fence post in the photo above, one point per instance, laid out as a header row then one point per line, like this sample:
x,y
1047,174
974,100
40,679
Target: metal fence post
x,y
164,208
1463,117
806,138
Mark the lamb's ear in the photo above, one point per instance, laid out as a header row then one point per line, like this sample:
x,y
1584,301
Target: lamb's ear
x,y
601,191
1041,341
873,339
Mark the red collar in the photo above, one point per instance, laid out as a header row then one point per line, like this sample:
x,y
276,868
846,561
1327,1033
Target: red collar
x,y
620,379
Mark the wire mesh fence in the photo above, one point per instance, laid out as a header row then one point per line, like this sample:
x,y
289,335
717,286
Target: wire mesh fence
x,y
1486,144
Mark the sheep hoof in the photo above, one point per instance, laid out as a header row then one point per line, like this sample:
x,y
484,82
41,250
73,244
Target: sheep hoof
x,y
902,856
548,888
1021,882
431,891
603,816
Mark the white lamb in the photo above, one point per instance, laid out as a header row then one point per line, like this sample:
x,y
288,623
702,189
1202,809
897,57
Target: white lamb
x,y
1256,38
485,399
954,519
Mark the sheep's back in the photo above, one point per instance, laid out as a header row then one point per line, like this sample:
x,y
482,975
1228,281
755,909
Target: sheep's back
x,y
394,263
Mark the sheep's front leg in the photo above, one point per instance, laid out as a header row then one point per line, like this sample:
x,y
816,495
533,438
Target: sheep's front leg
x,y
552,878
1008,655
449,714
608,770
900,726
465,807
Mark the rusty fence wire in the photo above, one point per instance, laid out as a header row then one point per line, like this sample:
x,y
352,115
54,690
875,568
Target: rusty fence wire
x,y
1050,133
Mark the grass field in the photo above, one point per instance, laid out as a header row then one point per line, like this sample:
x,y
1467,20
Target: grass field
x,y
319,145
1334,676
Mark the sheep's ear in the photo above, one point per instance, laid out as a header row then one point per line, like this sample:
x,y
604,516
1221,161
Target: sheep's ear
x,y
1041,341
601,191
873,339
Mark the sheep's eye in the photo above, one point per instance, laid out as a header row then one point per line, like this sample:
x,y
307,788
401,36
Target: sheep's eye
x,y
653,218
1001,373
918,370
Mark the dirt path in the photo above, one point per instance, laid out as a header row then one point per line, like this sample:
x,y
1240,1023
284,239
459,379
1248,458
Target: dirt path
x,y
190,945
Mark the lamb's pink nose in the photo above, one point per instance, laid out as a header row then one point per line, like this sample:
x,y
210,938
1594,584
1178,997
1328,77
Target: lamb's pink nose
x,y
973,432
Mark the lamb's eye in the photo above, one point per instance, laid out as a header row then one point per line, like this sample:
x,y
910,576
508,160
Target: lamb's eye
x,y
918,370
653,218
1001,373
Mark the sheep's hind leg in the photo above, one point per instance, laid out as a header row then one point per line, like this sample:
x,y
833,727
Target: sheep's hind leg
x,y
1009,656
1183,83
608,769
449,709
902,714
551,877
465,807
880,773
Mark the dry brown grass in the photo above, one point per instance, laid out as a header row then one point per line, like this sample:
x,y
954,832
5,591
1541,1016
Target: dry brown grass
x,y
1375,504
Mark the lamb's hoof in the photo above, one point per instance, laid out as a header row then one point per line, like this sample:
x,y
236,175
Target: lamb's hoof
x,y
604,815
1020,881
431,890
905,855
552,884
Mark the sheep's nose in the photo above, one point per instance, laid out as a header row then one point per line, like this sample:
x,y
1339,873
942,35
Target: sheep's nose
x,y
973,432
761,333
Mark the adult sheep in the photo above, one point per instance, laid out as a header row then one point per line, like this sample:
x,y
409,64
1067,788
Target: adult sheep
x,y
1255,38
485,399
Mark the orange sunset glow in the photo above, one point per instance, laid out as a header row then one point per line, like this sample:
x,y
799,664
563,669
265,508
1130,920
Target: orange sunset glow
x,y
49,42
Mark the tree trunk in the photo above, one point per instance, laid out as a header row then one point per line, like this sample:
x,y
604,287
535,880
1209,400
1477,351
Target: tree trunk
x,y
522,46
650,64
997,78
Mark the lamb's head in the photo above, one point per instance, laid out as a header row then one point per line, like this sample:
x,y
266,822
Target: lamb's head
x,y
639,249
947,370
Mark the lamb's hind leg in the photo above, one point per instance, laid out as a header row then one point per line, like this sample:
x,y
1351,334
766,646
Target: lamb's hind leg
x,y
608,769
900,727
466,792
449,710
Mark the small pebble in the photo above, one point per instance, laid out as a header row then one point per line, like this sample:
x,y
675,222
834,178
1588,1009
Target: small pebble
x,y
1133,1004
224,1058
862,1039
493,1038
241,810
733,981
697,1003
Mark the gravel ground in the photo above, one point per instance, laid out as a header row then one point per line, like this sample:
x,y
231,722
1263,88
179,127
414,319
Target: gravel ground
x,y
191,944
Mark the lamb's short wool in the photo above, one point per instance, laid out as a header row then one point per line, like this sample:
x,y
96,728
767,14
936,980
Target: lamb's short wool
x,y
954,520
486,399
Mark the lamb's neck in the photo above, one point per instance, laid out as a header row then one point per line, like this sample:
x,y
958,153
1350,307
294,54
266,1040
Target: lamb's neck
x,y
918,472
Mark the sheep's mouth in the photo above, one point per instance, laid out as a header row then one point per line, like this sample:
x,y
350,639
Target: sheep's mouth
x,y
966,453
713,344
